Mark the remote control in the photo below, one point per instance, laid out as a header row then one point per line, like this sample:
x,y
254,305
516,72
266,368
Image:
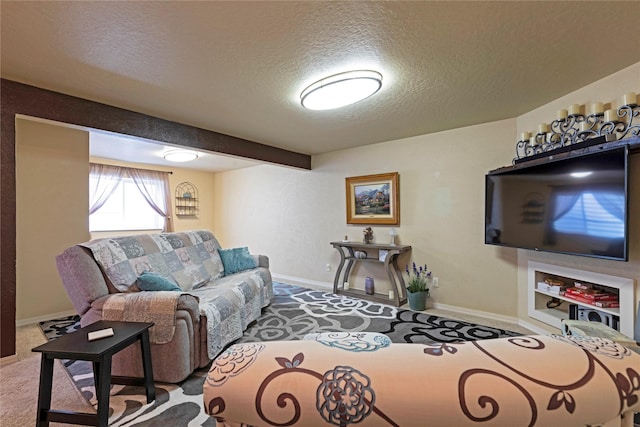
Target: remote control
x,y
102,333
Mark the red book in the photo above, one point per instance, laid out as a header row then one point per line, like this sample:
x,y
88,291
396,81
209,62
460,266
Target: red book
x,y
585,300
579,299
591,295
607,304
588,300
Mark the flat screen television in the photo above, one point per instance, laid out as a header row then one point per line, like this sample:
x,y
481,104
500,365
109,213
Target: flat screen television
x,y
572,204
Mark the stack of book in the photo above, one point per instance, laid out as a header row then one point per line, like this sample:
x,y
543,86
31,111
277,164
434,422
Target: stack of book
x,y
591,295
552,286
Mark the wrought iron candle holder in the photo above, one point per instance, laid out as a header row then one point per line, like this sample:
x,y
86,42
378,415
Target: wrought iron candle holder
x,y
577,128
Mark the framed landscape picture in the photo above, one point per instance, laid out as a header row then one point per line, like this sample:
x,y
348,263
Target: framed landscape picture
x,y
373,199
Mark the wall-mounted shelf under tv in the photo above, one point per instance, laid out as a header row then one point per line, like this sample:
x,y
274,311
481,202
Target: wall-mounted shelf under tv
x,y
550,307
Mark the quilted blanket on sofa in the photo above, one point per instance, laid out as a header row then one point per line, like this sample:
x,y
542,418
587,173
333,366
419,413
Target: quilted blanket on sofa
x,y
232,304
191,258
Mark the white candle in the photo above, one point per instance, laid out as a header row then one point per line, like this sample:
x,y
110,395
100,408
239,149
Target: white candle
x,y
525,136
543,128
611,116
574,109
561,114
533,140
392,295
629,99
597,108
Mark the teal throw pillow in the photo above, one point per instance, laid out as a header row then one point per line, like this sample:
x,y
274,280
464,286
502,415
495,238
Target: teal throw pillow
x,y
236,260
149,281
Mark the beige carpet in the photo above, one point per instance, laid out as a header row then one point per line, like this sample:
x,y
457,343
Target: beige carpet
x,y
19,384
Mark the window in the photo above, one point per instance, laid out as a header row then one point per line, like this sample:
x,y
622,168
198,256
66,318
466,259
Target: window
x,y
126,209
128,199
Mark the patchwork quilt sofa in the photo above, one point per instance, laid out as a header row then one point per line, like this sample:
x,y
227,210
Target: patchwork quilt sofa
x,y
362,378
199,296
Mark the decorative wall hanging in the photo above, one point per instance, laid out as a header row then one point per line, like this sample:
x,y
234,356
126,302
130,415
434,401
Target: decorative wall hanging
x,y
373,199
186,199
572,127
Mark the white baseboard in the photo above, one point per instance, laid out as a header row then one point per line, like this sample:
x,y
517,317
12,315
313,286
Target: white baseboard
x,y
493,316
38,319
484,314
478,313
8,359
490,316
538,330
302,282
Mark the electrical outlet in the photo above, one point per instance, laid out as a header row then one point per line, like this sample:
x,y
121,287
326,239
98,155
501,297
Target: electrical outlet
x,y
436,284
327,267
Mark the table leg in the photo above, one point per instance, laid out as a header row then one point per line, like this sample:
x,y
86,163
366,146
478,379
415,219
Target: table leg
x,y
145,346
44,392
402,287
96,376
102,375
347,271
395,277
336,280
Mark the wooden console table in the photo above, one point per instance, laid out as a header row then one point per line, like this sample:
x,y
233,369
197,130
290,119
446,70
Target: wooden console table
x,y
348,259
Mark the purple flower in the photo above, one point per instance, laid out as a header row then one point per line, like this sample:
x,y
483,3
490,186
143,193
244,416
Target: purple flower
x,y
418,280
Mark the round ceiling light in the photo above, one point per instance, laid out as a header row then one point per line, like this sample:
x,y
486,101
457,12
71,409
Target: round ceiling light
x,y
341,89
180,155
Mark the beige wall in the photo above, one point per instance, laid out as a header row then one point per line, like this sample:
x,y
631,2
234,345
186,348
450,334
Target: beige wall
x,y
292,215
608,91
51,212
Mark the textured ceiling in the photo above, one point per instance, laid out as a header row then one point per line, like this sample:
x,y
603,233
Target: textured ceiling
x,y
238,67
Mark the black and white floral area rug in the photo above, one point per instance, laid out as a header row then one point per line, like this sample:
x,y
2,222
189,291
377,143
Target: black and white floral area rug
x,y
293,313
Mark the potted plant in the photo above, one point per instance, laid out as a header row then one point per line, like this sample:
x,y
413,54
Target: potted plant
x,y
418,286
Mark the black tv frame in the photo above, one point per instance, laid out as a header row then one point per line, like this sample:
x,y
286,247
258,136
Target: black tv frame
x,y
632,146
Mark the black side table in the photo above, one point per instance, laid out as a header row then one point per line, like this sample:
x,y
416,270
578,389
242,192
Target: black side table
x,y
76,346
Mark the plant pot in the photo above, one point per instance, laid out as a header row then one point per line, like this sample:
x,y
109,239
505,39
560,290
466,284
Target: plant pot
x,y
417,300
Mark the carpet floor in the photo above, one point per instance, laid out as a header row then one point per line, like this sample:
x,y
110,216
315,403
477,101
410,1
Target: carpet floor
x,y
293,313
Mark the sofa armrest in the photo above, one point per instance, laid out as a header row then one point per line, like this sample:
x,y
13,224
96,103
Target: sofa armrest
x,y
161,308
261,260
186,301
82,278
